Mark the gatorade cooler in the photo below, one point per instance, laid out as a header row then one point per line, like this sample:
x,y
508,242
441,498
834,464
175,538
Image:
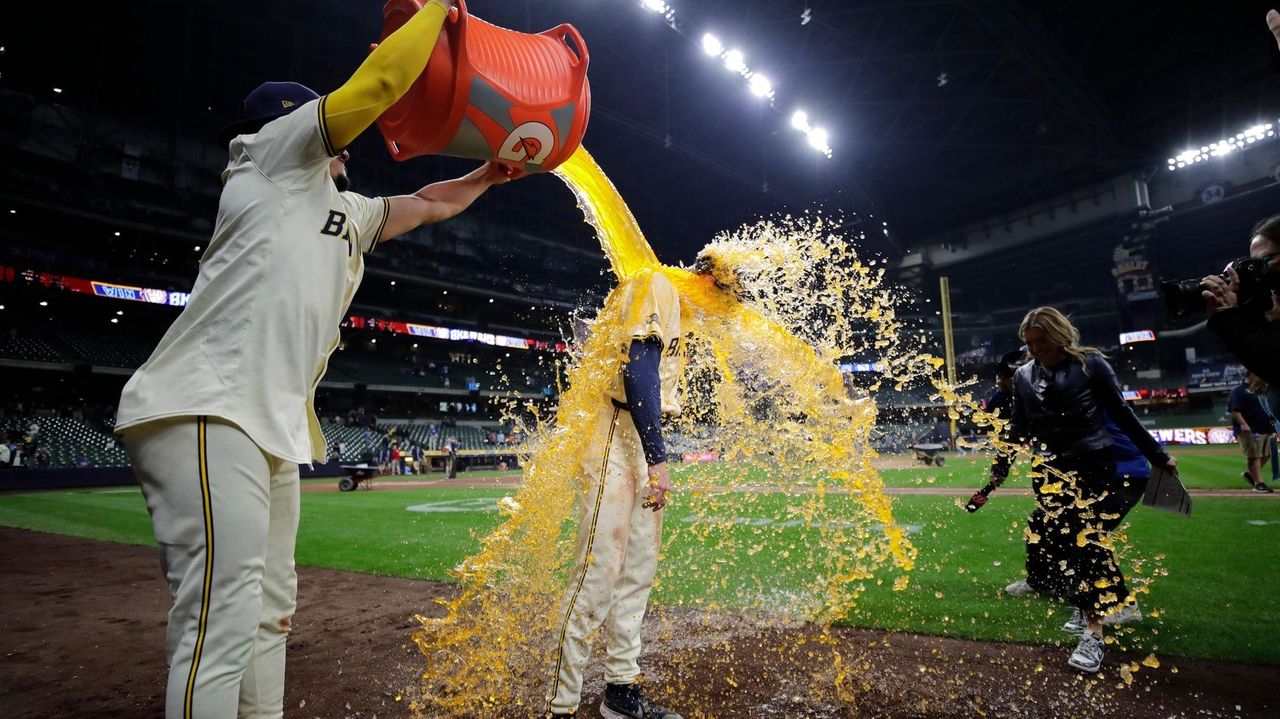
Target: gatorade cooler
x,y
490,93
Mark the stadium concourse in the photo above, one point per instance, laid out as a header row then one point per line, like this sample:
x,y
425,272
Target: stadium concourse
x,y
987,158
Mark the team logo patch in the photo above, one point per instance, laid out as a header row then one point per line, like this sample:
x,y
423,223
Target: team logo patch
x,y
1221,435
530,143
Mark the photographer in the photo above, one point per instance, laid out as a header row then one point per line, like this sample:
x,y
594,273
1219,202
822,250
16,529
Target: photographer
x,y
1238,309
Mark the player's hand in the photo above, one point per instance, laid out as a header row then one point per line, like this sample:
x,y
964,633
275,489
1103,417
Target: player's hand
x,y
656,494
976,501
1172,464
1219,294
496,173
1273,22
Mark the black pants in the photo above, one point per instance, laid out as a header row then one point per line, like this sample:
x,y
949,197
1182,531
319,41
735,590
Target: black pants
x,y
1056,564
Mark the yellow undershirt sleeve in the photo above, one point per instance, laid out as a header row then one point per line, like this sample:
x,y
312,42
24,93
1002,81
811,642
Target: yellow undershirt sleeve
x,y
383,77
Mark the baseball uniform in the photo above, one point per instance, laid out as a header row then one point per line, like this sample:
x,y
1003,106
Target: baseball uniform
x,y
618,538
218,419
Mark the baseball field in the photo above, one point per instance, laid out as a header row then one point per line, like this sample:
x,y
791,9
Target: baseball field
x,y
1213,582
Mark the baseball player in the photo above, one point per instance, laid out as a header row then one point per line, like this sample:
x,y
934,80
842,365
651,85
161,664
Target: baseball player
x,y
217,421
620,515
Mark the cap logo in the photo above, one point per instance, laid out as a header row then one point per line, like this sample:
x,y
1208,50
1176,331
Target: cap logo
x,y
286,103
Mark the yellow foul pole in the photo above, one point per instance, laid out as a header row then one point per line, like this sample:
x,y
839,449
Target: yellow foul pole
x,y
949,342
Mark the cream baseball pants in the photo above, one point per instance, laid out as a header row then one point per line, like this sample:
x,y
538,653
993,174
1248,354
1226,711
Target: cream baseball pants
x,y
225,516
617,556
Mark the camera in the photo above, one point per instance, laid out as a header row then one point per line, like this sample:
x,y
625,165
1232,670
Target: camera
x,y
1182,297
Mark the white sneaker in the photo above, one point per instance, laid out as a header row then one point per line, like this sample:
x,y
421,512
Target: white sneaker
x,y
1020,588
1088,654
1076,624
1127,614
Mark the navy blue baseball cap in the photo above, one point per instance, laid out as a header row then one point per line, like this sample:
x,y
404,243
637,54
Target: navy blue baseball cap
x,y
267,102
1010,362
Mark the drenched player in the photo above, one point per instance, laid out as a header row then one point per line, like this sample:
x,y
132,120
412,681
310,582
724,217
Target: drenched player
x,y
217,421
620,515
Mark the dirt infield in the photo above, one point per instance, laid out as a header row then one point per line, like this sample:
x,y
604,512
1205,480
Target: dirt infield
x,y
83,624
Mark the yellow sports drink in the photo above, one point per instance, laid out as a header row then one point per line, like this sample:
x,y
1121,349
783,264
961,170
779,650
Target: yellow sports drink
x,y
789,523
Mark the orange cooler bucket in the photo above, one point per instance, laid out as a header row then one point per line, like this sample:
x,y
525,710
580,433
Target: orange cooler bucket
x,y
489,93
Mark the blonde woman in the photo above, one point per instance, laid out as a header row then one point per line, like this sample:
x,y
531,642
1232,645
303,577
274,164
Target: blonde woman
x,y
1061,402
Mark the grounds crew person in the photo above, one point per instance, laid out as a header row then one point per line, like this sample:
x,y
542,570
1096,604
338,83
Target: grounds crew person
x,y
217,421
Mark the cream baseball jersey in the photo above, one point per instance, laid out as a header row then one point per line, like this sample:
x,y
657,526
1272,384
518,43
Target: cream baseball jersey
x,y
286,257
651,308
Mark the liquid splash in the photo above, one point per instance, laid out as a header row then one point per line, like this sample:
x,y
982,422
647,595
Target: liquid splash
x,y
789,526
762,390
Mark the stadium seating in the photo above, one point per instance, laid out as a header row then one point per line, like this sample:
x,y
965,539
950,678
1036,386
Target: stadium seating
x,y
68,439
31,349
113,350
357,441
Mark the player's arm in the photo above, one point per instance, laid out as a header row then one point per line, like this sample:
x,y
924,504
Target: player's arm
x,y
440,200
1000,466
643,386
383,77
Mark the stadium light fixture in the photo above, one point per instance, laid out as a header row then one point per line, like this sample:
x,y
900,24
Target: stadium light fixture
x,y
760,86
393,283
119,312
57,91
659,7
44,303
114,321
735,61
820,140
13,212
712,45
1,307
1223,147
197,249
446,292
117,233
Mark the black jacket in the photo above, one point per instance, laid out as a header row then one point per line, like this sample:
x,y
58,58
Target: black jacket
x,y
1252,339
1063,407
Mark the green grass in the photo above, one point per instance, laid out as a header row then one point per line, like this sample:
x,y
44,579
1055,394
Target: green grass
x,y
1213,603
367,532
372,532
1199,469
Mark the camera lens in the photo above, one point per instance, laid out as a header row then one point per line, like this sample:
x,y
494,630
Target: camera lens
x,y
1182,297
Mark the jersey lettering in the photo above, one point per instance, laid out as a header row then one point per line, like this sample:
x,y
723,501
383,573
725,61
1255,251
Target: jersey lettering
x,y
335,225
673,347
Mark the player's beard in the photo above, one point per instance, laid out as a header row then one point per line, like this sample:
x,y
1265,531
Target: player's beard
x,y
342,182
